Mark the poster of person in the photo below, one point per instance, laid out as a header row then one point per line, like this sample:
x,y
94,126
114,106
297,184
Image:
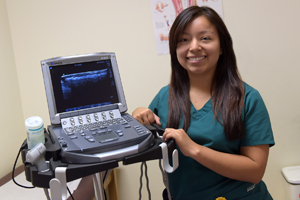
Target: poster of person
x,y
164,13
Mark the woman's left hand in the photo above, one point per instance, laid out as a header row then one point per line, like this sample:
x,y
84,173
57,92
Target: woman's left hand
x,y
183,141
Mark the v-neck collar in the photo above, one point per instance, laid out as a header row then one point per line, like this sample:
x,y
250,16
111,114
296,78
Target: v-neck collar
x,y
197,114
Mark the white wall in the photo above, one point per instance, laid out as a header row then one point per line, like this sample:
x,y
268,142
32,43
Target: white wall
x,y
266,40
11,114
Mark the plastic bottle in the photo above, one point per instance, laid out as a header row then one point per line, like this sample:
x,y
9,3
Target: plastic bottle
x,y
35,131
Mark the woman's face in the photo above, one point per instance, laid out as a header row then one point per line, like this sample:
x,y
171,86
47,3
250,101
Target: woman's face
x,y
198,49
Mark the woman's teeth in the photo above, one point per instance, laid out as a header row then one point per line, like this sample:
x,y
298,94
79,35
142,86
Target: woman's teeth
x,y
196,59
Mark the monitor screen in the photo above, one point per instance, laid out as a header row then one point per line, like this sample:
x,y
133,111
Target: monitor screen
x,y
82,83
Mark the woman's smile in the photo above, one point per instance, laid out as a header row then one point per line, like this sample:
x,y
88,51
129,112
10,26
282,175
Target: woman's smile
x,y
193,59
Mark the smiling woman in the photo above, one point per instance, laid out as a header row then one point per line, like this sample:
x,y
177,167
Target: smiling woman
x,y
199,49
219,123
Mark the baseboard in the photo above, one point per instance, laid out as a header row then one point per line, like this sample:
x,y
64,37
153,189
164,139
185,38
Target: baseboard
x,y
8,176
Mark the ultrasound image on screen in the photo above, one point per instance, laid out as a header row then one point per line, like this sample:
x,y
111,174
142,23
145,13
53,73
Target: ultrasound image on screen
x,y
73,84
83,85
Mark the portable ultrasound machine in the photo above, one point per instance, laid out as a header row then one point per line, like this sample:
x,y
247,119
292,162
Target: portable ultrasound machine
x,y
90,130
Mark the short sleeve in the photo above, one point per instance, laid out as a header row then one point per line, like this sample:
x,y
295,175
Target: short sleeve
x,y
256,120
154,104
159,105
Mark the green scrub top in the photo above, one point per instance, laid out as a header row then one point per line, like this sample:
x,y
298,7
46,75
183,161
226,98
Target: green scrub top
x,y
192,180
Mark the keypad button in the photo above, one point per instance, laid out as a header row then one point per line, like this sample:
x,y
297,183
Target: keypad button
x,y
105,123
64,144
69,130
101,132
120,134
108,140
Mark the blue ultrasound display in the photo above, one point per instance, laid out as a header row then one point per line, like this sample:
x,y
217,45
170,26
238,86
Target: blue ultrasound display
x,y
83,85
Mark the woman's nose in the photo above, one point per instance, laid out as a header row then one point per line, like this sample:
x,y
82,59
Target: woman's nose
x,y
195,45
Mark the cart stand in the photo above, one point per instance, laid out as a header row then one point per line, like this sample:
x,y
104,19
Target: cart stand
x,y
60,173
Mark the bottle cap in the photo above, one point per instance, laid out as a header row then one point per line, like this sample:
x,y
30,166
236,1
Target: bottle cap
x,y
33,123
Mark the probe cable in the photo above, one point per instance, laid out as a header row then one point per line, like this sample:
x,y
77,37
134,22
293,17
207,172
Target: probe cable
x,y
141,183
13,173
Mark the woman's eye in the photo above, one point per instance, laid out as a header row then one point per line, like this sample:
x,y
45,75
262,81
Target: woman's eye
x,y
205,38
183,40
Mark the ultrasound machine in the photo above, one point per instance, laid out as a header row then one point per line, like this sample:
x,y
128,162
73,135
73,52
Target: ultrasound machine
x,y
90,130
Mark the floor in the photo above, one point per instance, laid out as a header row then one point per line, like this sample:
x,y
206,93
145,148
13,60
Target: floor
x,y
11,191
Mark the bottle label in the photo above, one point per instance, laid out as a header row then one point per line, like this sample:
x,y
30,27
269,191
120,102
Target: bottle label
x,y
35,131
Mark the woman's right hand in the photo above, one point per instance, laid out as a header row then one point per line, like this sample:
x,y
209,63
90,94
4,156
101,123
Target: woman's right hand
x,y
145,116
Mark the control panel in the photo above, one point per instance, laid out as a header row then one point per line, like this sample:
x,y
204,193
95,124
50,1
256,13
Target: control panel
x,y
99,132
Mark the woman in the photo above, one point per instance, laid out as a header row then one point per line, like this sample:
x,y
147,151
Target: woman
x,y
220,124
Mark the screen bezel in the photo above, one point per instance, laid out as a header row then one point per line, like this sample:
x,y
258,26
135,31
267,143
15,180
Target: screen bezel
x,y
56,117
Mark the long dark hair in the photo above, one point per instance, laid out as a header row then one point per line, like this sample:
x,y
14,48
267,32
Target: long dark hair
x,y
228,95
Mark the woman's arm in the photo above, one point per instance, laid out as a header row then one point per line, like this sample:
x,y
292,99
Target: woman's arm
x,y
248,166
